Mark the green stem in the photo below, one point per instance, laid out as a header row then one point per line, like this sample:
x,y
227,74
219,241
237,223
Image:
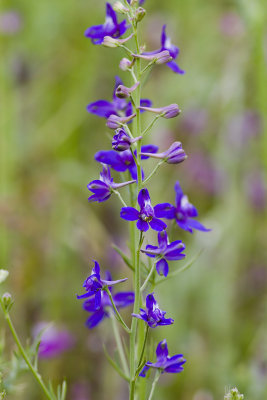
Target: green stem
x,y
157,375
148,276
150,126
36,375
119,344
120,197
148,66
153,172
119,317
143,349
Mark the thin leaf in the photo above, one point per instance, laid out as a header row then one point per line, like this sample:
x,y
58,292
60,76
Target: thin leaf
x,y
115,365
125,258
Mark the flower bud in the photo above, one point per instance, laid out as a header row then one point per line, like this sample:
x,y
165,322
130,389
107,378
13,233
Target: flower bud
x,y
120,8
3,275
123,92
114,121
111,42
125,64
139,14
170,111
234,395
161,57
174,155
7,301
121,141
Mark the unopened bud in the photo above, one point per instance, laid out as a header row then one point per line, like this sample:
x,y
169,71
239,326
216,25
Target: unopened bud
x,y
162,57
234,395
3,275
120,8
115,122
111,42
139,14
125,64
123,92
174,155
170,111
121,141
7,301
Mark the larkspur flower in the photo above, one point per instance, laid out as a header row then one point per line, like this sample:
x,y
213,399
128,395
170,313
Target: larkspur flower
x,y
115,122
170,111
111,27
164,363
146,216
54,340
154,316
121,300
94,285
174,155
166,251
102,188
173,50
183,212
162,57
123,161
119,107
121,140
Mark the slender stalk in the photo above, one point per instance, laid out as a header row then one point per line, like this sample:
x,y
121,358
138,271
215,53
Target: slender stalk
x,y
148,276
119,317
119,344
150,126
35,373
153,172
120,197
143,349
157,375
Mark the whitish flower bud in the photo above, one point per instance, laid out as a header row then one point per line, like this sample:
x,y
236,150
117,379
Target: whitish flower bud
x,y
7,301
111,42
3,275
115,122
139,14
123,92
234,395
162,57
125,64
120,8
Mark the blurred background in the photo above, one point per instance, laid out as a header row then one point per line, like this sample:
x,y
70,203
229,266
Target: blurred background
x,y
50,234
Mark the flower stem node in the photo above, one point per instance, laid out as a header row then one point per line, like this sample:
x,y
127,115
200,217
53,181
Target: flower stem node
x,y
122,92
7,301
115,122
170,111
139,14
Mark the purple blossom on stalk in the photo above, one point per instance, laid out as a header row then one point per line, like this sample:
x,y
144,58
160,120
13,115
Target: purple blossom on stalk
x,y
170,111
173,50
146,216
166,251
111,27
162,57
54,340
94,285
174,155
183,212
121,300
140,2
104,187
123,161
165,363
154,316
122,141
119,107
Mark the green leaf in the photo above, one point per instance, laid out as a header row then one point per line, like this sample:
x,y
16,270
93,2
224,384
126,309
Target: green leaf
x,y
125,258
115,365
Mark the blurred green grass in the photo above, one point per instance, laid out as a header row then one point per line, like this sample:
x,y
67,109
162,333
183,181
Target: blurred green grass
x,y
49,233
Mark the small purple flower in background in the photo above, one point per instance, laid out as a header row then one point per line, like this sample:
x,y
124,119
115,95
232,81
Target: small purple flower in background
x,y
173,50
256,190
174,155
94,285
123,161
111,27
54,340
146,216
154,316
103,188
183,212
194,121
165,363
231,25
121,300
121,140
167,251
10,22
117,106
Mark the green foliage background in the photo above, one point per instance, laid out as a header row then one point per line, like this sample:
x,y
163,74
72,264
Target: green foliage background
x,y
49,233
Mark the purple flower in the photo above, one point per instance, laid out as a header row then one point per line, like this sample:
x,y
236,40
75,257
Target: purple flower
x,y
170,111
119,107
154,316
173,50
183,212
54,340
123,160
104,187
140,2
122,141
115,122
166,251
94,285
174,155
111,27
146,216
164,362
121,299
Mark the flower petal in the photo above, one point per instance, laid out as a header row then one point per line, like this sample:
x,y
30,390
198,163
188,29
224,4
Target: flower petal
x,y
142,225
162,351
149,148
197,225
102,108
165,210
157,224
111,158
175,67
162,267
143,198
123,299
129,213
163,240
95,319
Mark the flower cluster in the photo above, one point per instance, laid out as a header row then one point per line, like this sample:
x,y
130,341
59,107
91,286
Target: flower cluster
x,y
123,115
